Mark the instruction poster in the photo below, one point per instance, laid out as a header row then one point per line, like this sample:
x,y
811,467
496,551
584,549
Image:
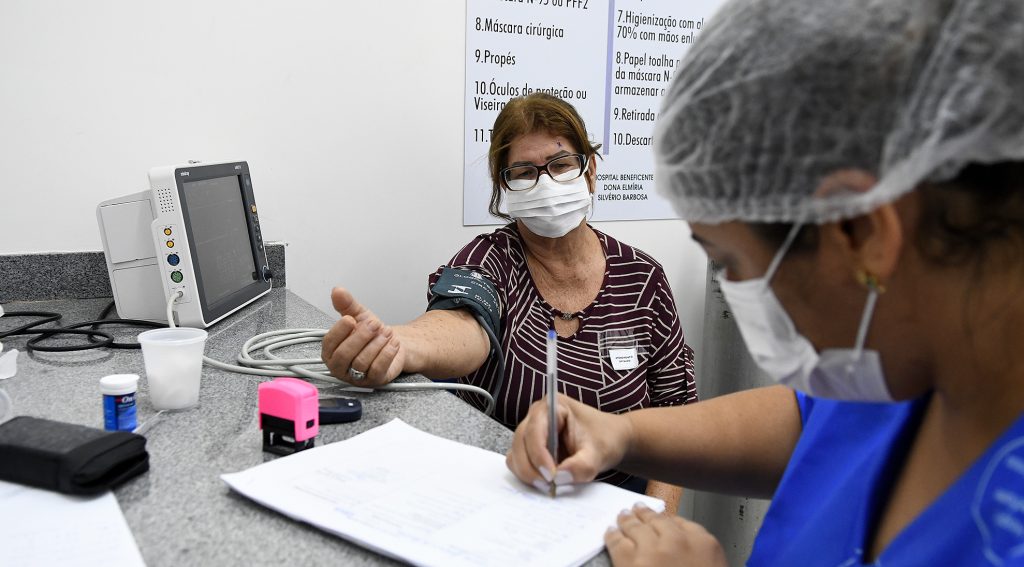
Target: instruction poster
x,y
611,59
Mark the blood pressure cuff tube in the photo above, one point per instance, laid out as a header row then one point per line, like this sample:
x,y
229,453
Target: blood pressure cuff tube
x,y
461,288
69,458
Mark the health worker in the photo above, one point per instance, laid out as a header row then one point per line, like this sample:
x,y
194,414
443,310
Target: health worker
x,y
620,342
856,170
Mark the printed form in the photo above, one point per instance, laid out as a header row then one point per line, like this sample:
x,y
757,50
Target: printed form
x,y
91,529
431,501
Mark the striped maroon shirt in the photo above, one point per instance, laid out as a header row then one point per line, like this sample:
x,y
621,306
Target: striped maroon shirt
x,y
633,312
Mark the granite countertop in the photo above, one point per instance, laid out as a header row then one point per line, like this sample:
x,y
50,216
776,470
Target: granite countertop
x,y
180,512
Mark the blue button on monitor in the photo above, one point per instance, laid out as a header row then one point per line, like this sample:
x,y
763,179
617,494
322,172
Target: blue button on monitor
x,y
173,259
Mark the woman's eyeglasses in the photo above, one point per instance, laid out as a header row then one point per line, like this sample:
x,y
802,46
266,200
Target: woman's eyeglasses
x,y
562,169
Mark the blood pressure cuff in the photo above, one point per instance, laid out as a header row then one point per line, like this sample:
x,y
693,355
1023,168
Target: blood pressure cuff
x,y
69,458
461,288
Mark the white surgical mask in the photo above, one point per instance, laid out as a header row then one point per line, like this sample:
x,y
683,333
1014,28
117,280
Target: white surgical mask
x,y
551,209
851,374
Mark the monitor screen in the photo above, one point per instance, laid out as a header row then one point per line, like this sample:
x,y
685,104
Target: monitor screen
x,y
219,236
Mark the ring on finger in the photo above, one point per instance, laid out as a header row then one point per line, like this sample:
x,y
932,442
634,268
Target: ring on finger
x,y
356,375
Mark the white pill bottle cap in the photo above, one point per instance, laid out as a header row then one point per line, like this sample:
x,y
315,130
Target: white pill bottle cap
x,y
118,384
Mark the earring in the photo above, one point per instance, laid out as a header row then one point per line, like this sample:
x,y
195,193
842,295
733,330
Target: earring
x,y
869,281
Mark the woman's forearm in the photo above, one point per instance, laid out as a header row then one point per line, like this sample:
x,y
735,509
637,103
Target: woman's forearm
x,y
443,344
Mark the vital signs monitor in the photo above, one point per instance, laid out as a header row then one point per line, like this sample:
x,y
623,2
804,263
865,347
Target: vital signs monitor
x,y
195,231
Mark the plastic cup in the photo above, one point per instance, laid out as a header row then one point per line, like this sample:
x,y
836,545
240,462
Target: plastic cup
x,y
174,363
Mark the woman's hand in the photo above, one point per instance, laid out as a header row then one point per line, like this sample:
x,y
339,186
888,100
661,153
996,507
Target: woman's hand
x,y
590,441
644,537
361,342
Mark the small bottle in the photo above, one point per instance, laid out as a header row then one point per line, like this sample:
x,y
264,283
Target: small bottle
x,y
119,401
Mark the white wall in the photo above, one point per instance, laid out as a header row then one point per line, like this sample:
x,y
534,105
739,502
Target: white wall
x,y
349,113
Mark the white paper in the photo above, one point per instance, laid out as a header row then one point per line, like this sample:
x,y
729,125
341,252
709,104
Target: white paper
x,y
431,501
623,358
39,527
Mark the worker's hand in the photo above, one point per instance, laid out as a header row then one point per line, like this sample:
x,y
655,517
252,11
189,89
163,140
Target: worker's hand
x,y
589,441
361,342
644,537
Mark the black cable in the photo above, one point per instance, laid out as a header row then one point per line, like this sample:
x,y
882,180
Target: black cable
x,y
103,315
47,317
93,325
496,347
106,311
105,339
103,320
33,343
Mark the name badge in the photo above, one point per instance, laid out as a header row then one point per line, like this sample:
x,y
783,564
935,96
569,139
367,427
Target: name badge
x,y
623,358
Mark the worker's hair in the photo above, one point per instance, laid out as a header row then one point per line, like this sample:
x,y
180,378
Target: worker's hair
x,y
976,218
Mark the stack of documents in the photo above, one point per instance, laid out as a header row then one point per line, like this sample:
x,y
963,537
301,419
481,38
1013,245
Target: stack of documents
x,y
39,527
430,501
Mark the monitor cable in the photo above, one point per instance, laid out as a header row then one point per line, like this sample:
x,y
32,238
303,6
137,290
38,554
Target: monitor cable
x,y
314,368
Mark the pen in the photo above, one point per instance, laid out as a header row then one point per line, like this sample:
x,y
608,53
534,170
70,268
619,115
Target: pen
x,y
552,388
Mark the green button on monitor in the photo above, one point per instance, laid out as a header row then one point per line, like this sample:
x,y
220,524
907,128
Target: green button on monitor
x,y
176,276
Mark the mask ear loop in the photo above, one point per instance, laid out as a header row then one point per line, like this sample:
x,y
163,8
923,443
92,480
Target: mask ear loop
x,y
874,289
773,266
593,194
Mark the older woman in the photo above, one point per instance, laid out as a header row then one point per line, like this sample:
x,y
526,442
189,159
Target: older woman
x,y
857,169
619,339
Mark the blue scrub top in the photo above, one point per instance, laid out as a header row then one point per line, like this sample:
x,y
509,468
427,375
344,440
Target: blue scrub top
x,y
843,467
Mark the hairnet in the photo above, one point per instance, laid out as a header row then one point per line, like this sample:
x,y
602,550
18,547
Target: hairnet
x,y
777,94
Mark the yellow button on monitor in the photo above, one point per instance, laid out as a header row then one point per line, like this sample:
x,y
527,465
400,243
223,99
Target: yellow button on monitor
x,y
170,244
167,231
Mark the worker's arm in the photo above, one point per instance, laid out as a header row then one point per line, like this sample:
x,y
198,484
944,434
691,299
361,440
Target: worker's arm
x,y
738,444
